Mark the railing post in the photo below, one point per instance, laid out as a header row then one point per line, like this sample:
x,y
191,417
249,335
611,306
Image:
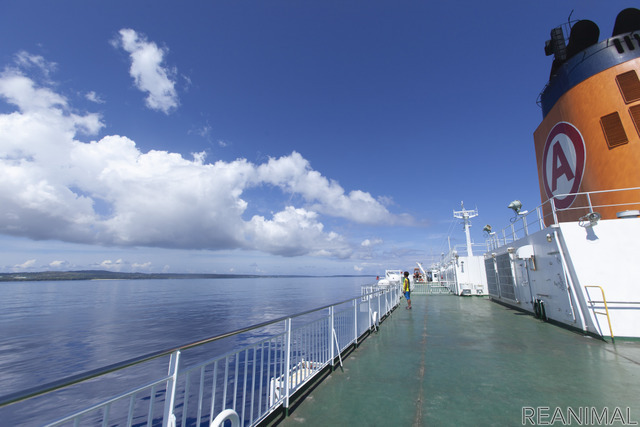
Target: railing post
x,y
355,322
553,210
379,297
540,213
524,222
287,366
169,420
331,326
387,301
370,319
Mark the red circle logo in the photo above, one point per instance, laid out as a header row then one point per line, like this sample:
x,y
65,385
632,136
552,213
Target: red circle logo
x,y
563,163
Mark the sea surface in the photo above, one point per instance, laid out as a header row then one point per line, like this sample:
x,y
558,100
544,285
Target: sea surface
x,y
51,330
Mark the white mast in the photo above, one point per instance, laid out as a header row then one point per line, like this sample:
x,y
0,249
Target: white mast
x,y
465,216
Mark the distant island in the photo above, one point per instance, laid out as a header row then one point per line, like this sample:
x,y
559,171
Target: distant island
x,y
110,275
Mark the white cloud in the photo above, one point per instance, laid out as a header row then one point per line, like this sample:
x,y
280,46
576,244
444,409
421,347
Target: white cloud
x,y
148,72
51,184
25,265
28,61
141,266
107,264
94,97
295,232
59,265
294,174
20,91
369,243
203,131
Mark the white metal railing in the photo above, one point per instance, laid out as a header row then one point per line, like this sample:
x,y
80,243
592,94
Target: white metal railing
x,y
418,288
547,213
252,381
431,288
461,250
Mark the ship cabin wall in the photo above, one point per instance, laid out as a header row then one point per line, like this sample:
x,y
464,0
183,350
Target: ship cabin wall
x,y
590,141
529,271
471,274
606,255
464,275
564,267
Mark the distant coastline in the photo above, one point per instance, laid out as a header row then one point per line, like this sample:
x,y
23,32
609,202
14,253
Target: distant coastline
x,y
110,275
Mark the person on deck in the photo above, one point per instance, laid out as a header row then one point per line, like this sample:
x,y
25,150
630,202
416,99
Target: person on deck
x,y
406,288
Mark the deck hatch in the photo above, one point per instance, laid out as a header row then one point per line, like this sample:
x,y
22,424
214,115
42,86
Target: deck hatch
x,y
613,130
635,116
629,86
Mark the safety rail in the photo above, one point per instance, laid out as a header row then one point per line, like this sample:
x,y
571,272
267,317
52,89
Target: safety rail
x,y
606,308
253,381
461,250
430,288
548,213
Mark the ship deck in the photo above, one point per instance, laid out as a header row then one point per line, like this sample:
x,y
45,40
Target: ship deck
x,y
468,361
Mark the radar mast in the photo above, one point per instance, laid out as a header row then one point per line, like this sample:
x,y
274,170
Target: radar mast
x,y
465,215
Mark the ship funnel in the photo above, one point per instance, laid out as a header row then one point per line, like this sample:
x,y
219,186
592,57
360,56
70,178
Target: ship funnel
x,y
627,21
584,33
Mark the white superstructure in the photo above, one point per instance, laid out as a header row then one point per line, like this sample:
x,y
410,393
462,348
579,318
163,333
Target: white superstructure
x,y
583,274
460,270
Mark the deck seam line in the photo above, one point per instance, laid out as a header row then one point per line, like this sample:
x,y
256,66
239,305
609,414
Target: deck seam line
x,y
421,371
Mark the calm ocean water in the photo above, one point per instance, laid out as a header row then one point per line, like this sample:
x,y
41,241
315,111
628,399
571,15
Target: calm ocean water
x,y
50,330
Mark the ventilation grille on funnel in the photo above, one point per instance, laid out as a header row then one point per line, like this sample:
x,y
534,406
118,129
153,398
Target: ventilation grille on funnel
x,y
629,86
635,116
613,130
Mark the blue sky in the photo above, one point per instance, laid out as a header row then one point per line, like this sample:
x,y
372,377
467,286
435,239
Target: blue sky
x,y
266,137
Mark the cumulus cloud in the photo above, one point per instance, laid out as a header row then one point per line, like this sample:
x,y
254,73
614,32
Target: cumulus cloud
x,y
59,264
294,175
25,265
53,185
295,232
107,264
148,72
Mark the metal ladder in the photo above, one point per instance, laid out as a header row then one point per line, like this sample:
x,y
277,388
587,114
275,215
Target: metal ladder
x,y
606,309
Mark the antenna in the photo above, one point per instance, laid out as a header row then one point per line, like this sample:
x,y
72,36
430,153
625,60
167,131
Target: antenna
x,y
569,18
465,215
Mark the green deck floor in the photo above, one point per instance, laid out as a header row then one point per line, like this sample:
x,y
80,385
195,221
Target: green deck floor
x,y
455,361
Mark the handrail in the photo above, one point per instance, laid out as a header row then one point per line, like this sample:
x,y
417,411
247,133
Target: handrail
x,y
604,299
509,234
29,393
